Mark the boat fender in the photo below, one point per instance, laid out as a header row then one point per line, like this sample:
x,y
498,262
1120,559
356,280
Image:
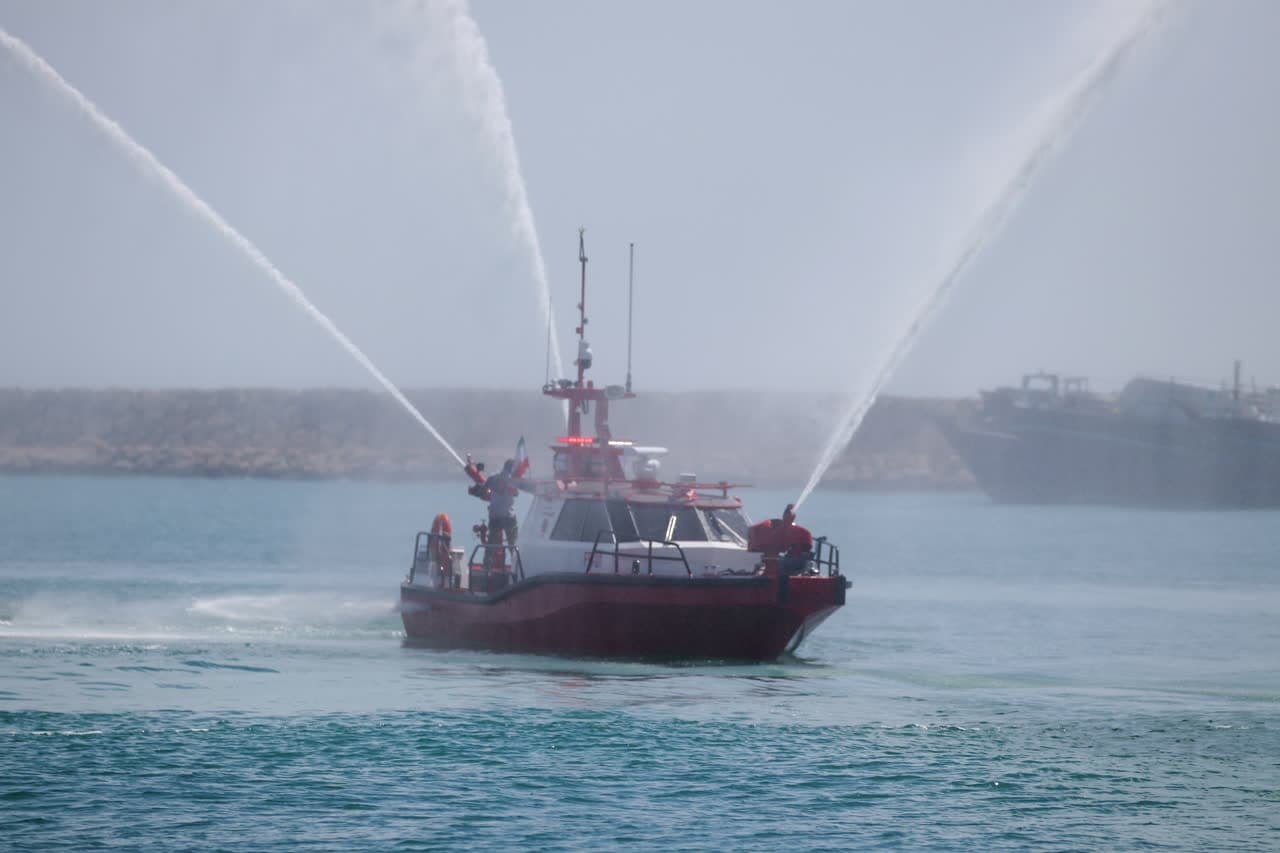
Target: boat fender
x,y
441,525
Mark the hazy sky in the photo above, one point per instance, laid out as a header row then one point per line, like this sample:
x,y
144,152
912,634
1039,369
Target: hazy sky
x,y
794,176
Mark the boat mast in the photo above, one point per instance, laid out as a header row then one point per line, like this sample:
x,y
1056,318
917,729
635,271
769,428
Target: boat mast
x,y
582,393
582,310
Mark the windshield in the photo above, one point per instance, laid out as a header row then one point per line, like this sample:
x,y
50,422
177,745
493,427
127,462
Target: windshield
x,y
581,521
624,528
666,521
727,524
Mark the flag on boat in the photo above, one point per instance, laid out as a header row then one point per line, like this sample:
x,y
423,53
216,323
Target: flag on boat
x,y
522,460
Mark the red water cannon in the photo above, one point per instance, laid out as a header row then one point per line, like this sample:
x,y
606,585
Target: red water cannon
x,y
782,542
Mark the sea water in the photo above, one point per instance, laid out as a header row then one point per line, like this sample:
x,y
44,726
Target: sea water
x,y
217,664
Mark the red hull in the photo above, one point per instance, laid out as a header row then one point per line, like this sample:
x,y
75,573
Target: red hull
x,y
745,618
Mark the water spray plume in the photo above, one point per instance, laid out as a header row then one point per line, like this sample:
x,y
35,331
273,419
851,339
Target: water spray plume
x,y
483,89
151,166
1057,130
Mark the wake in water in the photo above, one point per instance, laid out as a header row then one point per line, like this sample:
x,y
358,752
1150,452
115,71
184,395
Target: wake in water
x,y
131,615
151,166
483,92
1057,130
309,613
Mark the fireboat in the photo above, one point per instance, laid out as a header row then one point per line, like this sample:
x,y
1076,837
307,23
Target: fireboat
x,y
613,562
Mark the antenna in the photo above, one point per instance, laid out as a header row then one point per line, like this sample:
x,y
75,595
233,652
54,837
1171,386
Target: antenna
x,y
631,289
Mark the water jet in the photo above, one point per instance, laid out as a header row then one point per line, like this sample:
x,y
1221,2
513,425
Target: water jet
x,y
1073,106
151,166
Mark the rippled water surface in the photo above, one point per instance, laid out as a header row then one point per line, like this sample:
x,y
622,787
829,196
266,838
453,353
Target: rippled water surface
x,y
218,665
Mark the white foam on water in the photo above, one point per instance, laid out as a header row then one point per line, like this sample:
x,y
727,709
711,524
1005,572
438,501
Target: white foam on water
x,y
311,609
1051,128
151,166
78,616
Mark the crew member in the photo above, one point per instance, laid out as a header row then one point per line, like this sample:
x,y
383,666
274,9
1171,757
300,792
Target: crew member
x,y
499,491
503,490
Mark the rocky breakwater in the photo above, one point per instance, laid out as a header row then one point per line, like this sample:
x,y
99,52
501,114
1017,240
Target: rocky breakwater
x,y
232,433
331,433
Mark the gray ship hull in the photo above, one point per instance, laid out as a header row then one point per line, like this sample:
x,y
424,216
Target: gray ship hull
x,y
1067,457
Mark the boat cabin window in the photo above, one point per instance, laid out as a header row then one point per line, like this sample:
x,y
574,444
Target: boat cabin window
x,y
624,526
581,521
727,524
665,521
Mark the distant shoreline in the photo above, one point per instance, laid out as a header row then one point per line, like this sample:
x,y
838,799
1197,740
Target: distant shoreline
x,y
329,434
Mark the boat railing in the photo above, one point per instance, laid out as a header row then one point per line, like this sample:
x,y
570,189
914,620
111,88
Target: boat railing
x,y
507,556
826,555
617,553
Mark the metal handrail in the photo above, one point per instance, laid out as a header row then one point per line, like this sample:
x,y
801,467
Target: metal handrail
x,y
650,556
595,545
417,550
517,563
832,559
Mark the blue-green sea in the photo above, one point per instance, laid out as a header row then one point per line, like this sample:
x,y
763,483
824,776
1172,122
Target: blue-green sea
x,y
218,665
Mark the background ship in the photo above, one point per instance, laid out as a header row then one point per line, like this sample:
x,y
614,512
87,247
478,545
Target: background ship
x,y
1155,443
